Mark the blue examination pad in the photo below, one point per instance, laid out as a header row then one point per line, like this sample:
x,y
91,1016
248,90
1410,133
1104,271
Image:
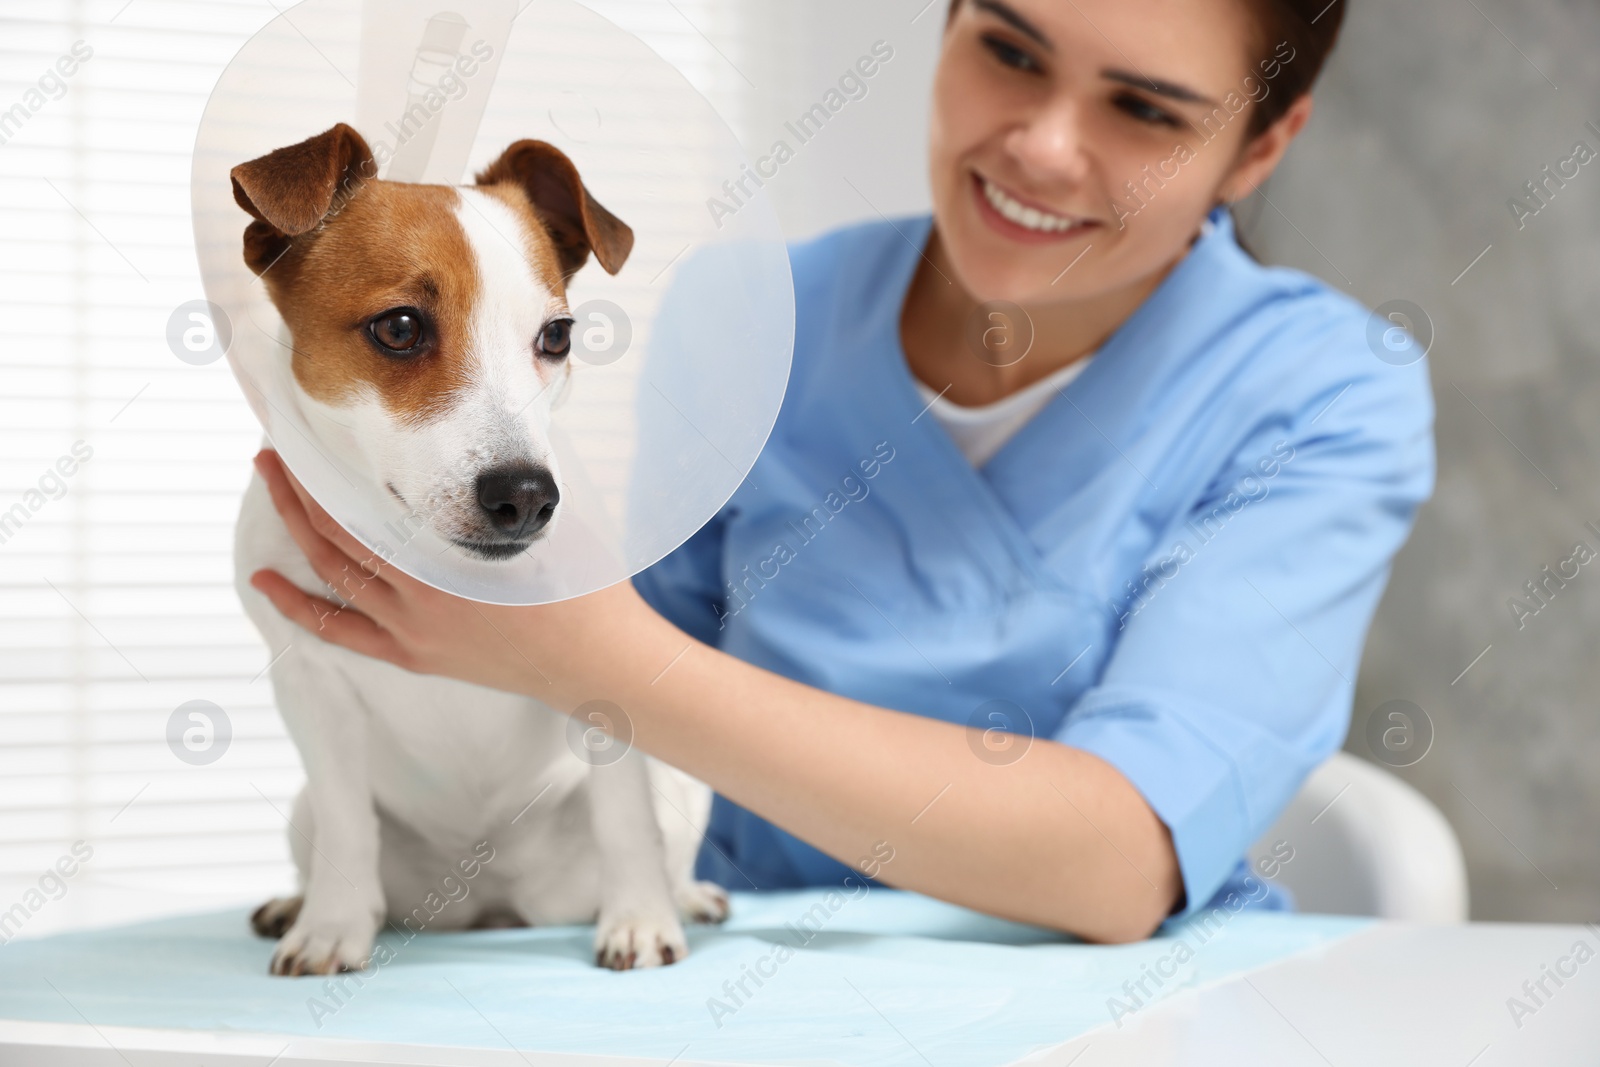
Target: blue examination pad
x,y
875,977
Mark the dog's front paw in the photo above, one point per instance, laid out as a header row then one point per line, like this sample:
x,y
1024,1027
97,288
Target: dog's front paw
x,y
323,945
275,916
703,902
632,940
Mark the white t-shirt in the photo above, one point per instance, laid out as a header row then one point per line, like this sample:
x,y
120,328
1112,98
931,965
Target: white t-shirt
x,y
981,431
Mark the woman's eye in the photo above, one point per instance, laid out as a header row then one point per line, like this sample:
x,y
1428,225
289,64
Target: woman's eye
x,y
1144,112
1010,54
556,339
398,332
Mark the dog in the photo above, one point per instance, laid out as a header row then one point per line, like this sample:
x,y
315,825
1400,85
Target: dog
x,y
428,333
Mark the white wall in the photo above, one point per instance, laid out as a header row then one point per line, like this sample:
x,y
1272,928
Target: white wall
x,y
878,143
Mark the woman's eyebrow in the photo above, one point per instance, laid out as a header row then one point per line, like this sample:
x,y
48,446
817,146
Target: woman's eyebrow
x,y
1005,13
1160,88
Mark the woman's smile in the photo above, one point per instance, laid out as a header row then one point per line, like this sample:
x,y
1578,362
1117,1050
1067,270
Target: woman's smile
x,y
1024,220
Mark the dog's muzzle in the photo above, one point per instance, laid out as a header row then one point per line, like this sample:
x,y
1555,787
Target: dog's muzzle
x,y
515,504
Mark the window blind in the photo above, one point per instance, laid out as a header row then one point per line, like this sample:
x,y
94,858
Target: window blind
x,y
122,467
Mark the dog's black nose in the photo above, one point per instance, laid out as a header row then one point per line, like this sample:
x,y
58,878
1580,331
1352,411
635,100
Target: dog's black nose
x,y
519,500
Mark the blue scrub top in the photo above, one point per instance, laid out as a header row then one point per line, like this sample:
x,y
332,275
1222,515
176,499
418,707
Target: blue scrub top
x,y
1172,566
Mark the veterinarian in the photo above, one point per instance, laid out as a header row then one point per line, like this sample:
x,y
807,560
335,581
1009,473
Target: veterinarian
x,y
1051,583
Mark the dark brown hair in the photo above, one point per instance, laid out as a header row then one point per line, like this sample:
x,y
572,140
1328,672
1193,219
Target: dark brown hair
x,y
1310,28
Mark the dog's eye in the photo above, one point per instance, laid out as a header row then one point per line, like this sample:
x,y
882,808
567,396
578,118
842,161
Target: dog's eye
x,y
398,331
556,339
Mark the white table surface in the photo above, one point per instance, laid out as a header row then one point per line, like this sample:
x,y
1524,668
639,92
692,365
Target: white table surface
x,y
1398,994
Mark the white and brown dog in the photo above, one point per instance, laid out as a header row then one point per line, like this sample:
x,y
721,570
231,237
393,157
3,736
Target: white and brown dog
x,y
429,330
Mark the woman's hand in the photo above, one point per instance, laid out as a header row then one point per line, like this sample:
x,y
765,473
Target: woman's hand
x,y
555,652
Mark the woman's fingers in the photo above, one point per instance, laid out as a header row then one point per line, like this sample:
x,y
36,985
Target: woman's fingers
x,y
280,481
338,558
336,625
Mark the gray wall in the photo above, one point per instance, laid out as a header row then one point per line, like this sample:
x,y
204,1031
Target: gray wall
x,y
1426,121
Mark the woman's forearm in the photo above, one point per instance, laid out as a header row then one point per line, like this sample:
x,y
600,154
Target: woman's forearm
x,y
1057,838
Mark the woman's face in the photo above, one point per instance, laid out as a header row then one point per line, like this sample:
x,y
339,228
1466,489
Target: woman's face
x,y
1044,111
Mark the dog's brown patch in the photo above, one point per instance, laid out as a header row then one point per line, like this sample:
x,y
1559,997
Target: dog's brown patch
x,y
392,245
574,221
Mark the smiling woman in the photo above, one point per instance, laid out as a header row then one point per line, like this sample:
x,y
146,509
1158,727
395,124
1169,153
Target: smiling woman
x,y
945,676
1044,122
1286,32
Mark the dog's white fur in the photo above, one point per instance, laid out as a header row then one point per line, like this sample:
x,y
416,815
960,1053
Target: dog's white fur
x,y
407,774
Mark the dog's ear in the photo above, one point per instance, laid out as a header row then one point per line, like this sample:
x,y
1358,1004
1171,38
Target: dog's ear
x,y
575,219
290,190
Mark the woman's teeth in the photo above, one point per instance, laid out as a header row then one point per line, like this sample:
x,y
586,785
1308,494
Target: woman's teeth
x,y
1027,217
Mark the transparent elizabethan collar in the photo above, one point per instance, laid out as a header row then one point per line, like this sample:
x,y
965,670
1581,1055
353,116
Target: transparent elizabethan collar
x,y
679,360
